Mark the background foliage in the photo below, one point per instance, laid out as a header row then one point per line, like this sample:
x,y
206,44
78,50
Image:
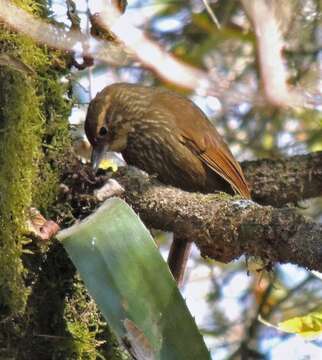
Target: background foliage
x,y
35,104
237,293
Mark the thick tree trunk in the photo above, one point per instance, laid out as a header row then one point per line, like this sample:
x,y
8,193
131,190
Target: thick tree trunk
x,y
45,311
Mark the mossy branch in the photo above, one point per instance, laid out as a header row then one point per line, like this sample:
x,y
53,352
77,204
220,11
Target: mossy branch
x,y
225,227
287,180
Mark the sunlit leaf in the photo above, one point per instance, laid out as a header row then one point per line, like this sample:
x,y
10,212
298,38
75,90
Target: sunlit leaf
x,y
132,285
309,326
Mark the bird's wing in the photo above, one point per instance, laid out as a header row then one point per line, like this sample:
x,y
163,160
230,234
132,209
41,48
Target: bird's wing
x,y
201,137
216,155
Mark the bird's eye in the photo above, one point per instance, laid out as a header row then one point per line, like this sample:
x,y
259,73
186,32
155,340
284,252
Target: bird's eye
x,y
103,131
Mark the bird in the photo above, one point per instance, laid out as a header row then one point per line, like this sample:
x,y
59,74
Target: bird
x,y
166,135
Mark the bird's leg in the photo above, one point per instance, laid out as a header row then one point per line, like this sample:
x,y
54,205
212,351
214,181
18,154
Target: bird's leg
x,y
178,258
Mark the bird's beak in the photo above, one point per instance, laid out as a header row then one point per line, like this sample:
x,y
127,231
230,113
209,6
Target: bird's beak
x,y
97,155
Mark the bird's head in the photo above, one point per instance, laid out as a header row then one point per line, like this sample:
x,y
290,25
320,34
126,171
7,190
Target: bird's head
x,y
106,125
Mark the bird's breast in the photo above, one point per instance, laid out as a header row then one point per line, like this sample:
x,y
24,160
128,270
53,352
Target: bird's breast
x,y
159,152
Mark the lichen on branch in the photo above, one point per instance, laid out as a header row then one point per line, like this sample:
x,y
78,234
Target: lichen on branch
x,y
225,227
285,180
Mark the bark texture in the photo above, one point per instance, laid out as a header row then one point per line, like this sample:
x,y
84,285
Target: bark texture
x,y
282,181
225,227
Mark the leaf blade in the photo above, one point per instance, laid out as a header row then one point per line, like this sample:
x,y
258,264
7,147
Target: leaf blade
x,y
126,275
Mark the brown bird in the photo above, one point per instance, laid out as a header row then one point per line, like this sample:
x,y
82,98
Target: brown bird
x,y
165,134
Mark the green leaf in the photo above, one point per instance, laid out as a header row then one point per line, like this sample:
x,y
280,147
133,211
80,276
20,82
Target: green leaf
x,y
309,326
132,285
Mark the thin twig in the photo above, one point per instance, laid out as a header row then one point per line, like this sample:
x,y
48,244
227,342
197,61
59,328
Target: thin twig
x,y
212,14
270,45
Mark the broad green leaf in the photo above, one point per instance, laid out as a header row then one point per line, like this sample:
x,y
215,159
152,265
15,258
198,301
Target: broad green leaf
x,y
132,285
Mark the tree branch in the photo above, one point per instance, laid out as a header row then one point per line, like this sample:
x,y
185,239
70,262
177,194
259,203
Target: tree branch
x,y
288,180
225,227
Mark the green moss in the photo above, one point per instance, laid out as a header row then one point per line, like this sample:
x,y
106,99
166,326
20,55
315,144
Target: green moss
x,y
34,139
23,48
21,127
56,139
83,324
91,337
33,134
222,196
84,344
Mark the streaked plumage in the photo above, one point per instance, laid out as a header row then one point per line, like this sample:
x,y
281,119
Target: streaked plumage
x,y
165,134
